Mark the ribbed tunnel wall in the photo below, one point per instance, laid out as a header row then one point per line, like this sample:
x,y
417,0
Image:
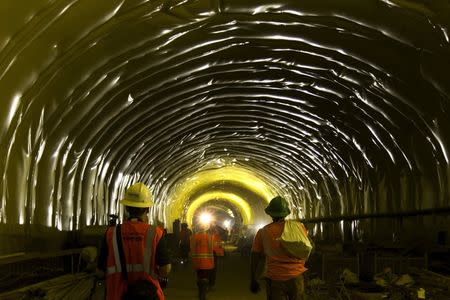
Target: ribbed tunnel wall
x,y
340,106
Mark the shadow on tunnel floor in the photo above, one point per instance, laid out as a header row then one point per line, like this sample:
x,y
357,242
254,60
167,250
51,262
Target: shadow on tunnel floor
x,y
232,281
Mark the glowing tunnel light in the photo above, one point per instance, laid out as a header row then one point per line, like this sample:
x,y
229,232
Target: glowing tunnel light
x,y
234,175
205,218
227,224
241,205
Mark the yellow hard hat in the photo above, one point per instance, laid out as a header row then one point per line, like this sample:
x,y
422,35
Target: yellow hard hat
x,y
137,195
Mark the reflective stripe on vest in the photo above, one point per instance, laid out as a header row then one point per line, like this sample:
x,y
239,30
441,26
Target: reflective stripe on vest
x,y
148,252
210,249
130,268
118,267
150,235
202,251
206,255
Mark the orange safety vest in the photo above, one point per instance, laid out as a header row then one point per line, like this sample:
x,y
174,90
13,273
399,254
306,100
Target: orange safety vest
x,y
202,251
139,242
217,247
279,265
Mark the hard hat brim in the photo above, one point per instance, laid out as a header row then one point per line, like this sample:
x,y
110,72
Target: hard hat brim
x,y
145,204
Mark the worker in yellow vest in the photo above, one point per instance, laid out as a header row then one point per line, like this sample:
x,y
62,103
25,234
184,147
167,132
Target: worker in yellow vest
x,y
202,258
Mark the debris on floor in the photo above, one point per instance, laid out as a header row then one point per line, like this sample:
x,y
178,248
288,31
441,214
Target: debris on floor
x,y
72,286
418,284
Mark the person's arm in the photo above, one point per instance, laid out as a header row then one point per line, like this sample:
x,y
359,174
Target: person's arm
x,y
162,258
256,256
255,259
102,258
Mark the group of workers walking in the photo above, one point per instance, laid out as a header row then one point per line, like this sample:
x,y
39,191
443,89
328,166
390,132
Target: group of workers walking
x,y
135,259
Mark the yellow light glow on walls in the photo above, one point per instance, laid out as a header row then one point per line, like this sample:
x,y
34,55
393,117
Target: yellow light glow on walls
x,y
234,175
241,205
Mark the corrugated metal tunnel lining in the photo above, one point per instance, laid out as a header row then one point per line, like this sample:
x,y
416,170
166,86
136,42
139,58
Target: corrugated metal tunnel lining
x,y
342,107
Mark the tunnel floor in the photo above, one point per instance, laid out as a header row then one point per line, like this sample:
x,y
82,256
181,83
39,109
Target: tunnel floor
x,y
232,281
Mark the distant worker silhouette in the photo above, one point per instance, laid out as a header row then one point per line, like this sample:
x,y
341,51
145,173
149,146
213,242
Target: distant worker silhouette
x,y
185,242
202,258
284,279
134,255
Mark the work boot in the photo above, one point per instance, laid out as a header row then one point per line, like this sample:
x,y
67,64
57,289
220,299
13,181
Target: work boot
x,y
202,288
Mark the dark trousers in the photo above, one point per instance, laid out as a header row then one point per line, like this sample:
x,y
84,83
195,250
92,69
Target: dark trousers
x,y
292,289
212,277
203,277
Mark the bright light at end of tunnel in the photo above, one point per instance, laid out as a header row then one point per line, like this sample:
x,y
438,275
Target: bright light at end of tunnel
x,y
259,226
240,203
187,195
227,224
205,218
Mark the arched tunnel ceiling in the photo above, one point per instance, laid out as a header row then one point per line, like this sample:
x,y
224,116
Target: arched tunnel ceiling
x,y
340,106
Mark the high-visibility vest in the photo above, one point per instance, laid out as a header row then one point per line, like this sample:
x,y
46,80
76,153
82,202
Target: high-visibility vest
x,y
279,265
217,247
139,242
202,251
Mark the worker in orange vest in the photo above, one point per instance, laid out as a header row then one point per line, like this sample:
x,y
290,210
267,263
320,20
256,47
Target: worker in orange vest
x,y
134,255
202,258
284,273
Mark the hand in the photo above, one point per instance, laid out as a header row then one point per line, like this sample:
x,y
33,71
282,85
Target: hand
x,y
163,282
254,286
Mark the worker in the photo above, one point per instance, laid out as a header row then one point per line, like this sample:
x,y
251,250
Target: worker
x,y
283,273
202,258
217,252
185,241
134,255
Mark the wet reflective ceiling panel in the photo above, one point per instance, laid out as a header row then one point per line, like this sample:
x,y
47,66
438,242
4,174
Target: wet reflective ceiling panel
x,y
340,106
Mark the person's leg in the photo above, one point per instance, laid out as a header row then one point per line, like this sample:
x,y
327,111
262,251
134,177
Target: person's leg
x,y
213,272
274,290
295,288
301,287
202,283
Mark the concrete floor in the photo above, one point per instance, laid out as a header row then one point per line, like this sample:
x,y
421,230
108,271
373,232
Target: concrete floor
x,y
232,281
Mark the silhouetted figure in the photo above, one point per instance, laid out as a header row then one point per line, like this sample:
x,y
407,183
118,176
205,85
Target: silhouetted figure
x,y
185,242
245,241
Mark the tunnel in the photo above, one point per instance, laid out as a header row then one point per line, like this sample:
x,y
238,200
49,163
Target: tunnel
x,y
340,107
